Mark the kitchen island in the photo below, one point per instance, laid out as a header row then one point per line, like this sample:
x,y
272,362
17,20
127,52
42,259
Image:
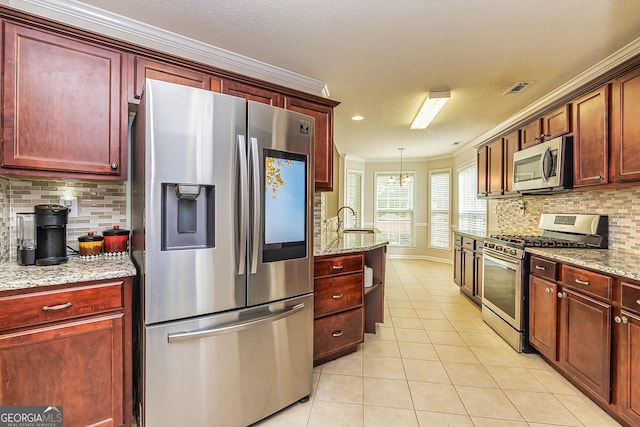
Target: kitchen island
x,y
349,271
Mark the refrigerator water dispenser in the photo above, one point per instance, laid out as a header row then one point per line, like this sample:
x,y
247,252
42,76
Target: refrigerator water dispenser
x,y
188,216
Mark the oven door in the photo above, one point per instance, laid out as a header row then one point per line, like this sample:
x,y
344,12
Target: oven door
x,y
502,288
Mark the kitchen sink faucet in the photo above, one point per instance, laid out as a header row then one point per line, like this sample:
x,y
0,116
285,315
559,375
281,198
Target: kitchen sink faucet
x,y
340,223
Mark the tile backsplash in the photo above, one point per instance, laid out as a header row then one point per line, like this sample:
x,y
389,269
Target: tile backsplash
x,y
622,207
100,206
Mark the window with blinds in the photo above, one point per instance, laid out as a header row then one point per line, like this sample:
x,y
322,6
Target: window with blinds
x,y
472,212
439,208
353,193
394,208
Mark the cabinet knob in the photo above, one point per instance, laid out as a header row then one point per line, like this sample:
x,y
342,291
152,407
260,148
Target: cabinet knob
x,y
599,177
337,334
638,301
548,290
622,319
562,294
114,166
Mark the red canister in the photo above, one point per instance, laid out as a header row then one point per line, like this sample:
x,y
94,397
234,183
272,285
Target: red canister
x,y
116,240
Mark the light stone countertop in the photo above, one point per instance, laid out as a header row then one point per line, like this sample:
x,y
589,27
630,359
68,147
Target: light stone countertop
x,y
341,243
77,269
618,263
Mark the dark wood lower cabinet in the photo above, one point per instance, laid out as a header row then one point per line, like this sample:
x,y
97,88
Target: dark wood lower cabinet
x,y
543,316
585,341
69,346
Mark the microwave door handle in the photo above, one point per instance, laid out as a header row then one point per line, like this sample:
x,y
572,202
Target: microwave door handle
x,y
543,160
243,219
255,192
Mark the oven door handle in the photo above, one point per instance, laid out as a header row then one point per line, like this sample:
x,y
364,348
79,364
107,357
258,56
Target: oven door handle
x,y
501,259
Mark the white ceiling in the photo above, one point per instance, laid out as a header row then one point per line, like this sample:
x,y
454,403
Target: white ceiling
x,y
380,57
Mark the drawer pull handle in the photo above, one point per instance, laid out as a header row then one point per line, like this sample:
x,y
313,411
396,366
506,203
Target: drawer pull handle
x,y
337,334
582,282
56,307
539,267
638,301
337,267
337,296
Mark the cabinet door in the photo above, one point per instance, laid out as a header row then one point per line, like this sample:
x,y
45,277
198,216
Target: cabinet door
x,y
64,108
482,170
530,134
468,273
591,139
625,127
557,122
144,68
585,341
63,365
495,168
323,139
543,316
457,265
251,93
629,352
477,285
511,145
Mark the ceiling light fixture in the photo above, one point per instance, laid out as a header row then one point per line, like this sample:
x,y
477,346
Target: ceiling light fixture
x,y
431,107
357,118
402,178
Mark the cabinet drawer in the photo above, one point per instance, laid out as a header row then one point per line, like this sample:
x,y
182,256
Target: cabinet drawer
x,y
544,268
468,243
22,310
630,297
337,332
338,265
334,294
587,281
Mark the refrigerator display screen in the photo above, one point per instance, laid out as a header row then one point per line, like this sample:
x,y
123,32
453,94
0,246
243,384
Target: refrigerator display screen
x,y
285,205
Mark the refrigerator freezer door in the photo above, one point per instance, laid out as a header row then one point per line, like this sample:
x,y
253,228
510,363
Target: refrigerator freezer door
x,y
230,369
191,140
280,151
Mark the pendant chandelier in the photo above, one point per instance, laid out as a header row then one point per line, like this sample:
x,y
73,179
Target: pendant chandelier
x,y
402,178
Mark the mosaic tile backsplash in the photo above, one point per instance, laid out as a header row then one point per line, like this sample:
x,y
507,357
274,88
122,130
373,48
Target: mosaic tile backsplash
x,y
101,205
622,207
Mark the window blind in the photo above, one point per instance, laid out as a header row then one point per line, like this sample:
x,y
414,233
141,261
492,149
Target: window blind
x,y
394,208
353,199
472,212
439,209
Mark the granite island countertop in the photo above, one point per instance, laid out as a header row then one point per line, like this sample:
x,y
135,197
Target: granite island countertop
x,y
341,243
77,269
615,262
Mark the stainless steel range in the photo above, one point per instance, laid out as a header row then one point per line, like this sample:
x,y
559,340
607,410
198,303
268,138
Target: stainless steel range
x,y
505,280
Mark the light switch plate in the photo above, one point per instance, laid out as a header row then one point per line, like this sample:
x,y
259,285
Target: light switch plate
x,y
72,204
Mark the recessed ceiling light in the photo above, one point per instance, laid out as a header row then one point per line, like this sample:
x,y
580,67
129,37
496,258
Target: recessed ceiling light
x,y
357,118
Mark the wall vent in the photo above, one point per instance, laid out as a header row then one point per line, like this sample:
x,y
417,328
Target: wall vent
x,y
516,88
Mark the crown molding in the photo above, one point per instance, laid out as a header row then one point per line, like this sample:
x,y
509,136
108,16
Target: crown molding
x,y
601,68
113,25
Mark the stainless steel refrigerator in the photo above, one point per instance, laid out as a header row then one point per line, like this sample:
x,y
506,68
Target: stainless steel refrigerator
x,y
222,237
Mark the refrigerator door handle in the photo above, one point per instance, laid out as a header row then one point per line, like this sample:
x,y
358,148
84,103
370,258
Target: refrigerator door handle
x,y
243,220
211,332
255,192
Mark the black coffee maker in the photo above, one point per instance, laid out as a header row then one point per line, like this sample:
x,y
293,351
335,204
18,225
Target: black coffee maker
x,y
51,232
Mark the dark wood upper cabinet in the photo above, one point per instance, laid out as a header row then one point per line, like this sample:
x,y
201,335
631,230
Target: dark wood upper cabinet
x,y
591,138
142,68
251,93
557,122
511,145
530,134
323,139
64,106
625,128
482,170
495,166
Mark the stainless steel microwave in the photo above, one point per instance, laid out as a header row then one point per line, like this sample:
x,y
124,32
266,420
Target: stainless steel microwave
x,y
546,167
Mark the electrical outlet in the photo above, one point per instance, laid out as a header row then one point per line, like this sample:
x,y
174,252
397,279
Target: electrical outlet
x,y
72,204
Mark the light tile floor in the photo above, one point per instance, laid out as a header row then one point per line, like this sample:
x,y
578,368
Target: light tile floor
x,y
435,363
